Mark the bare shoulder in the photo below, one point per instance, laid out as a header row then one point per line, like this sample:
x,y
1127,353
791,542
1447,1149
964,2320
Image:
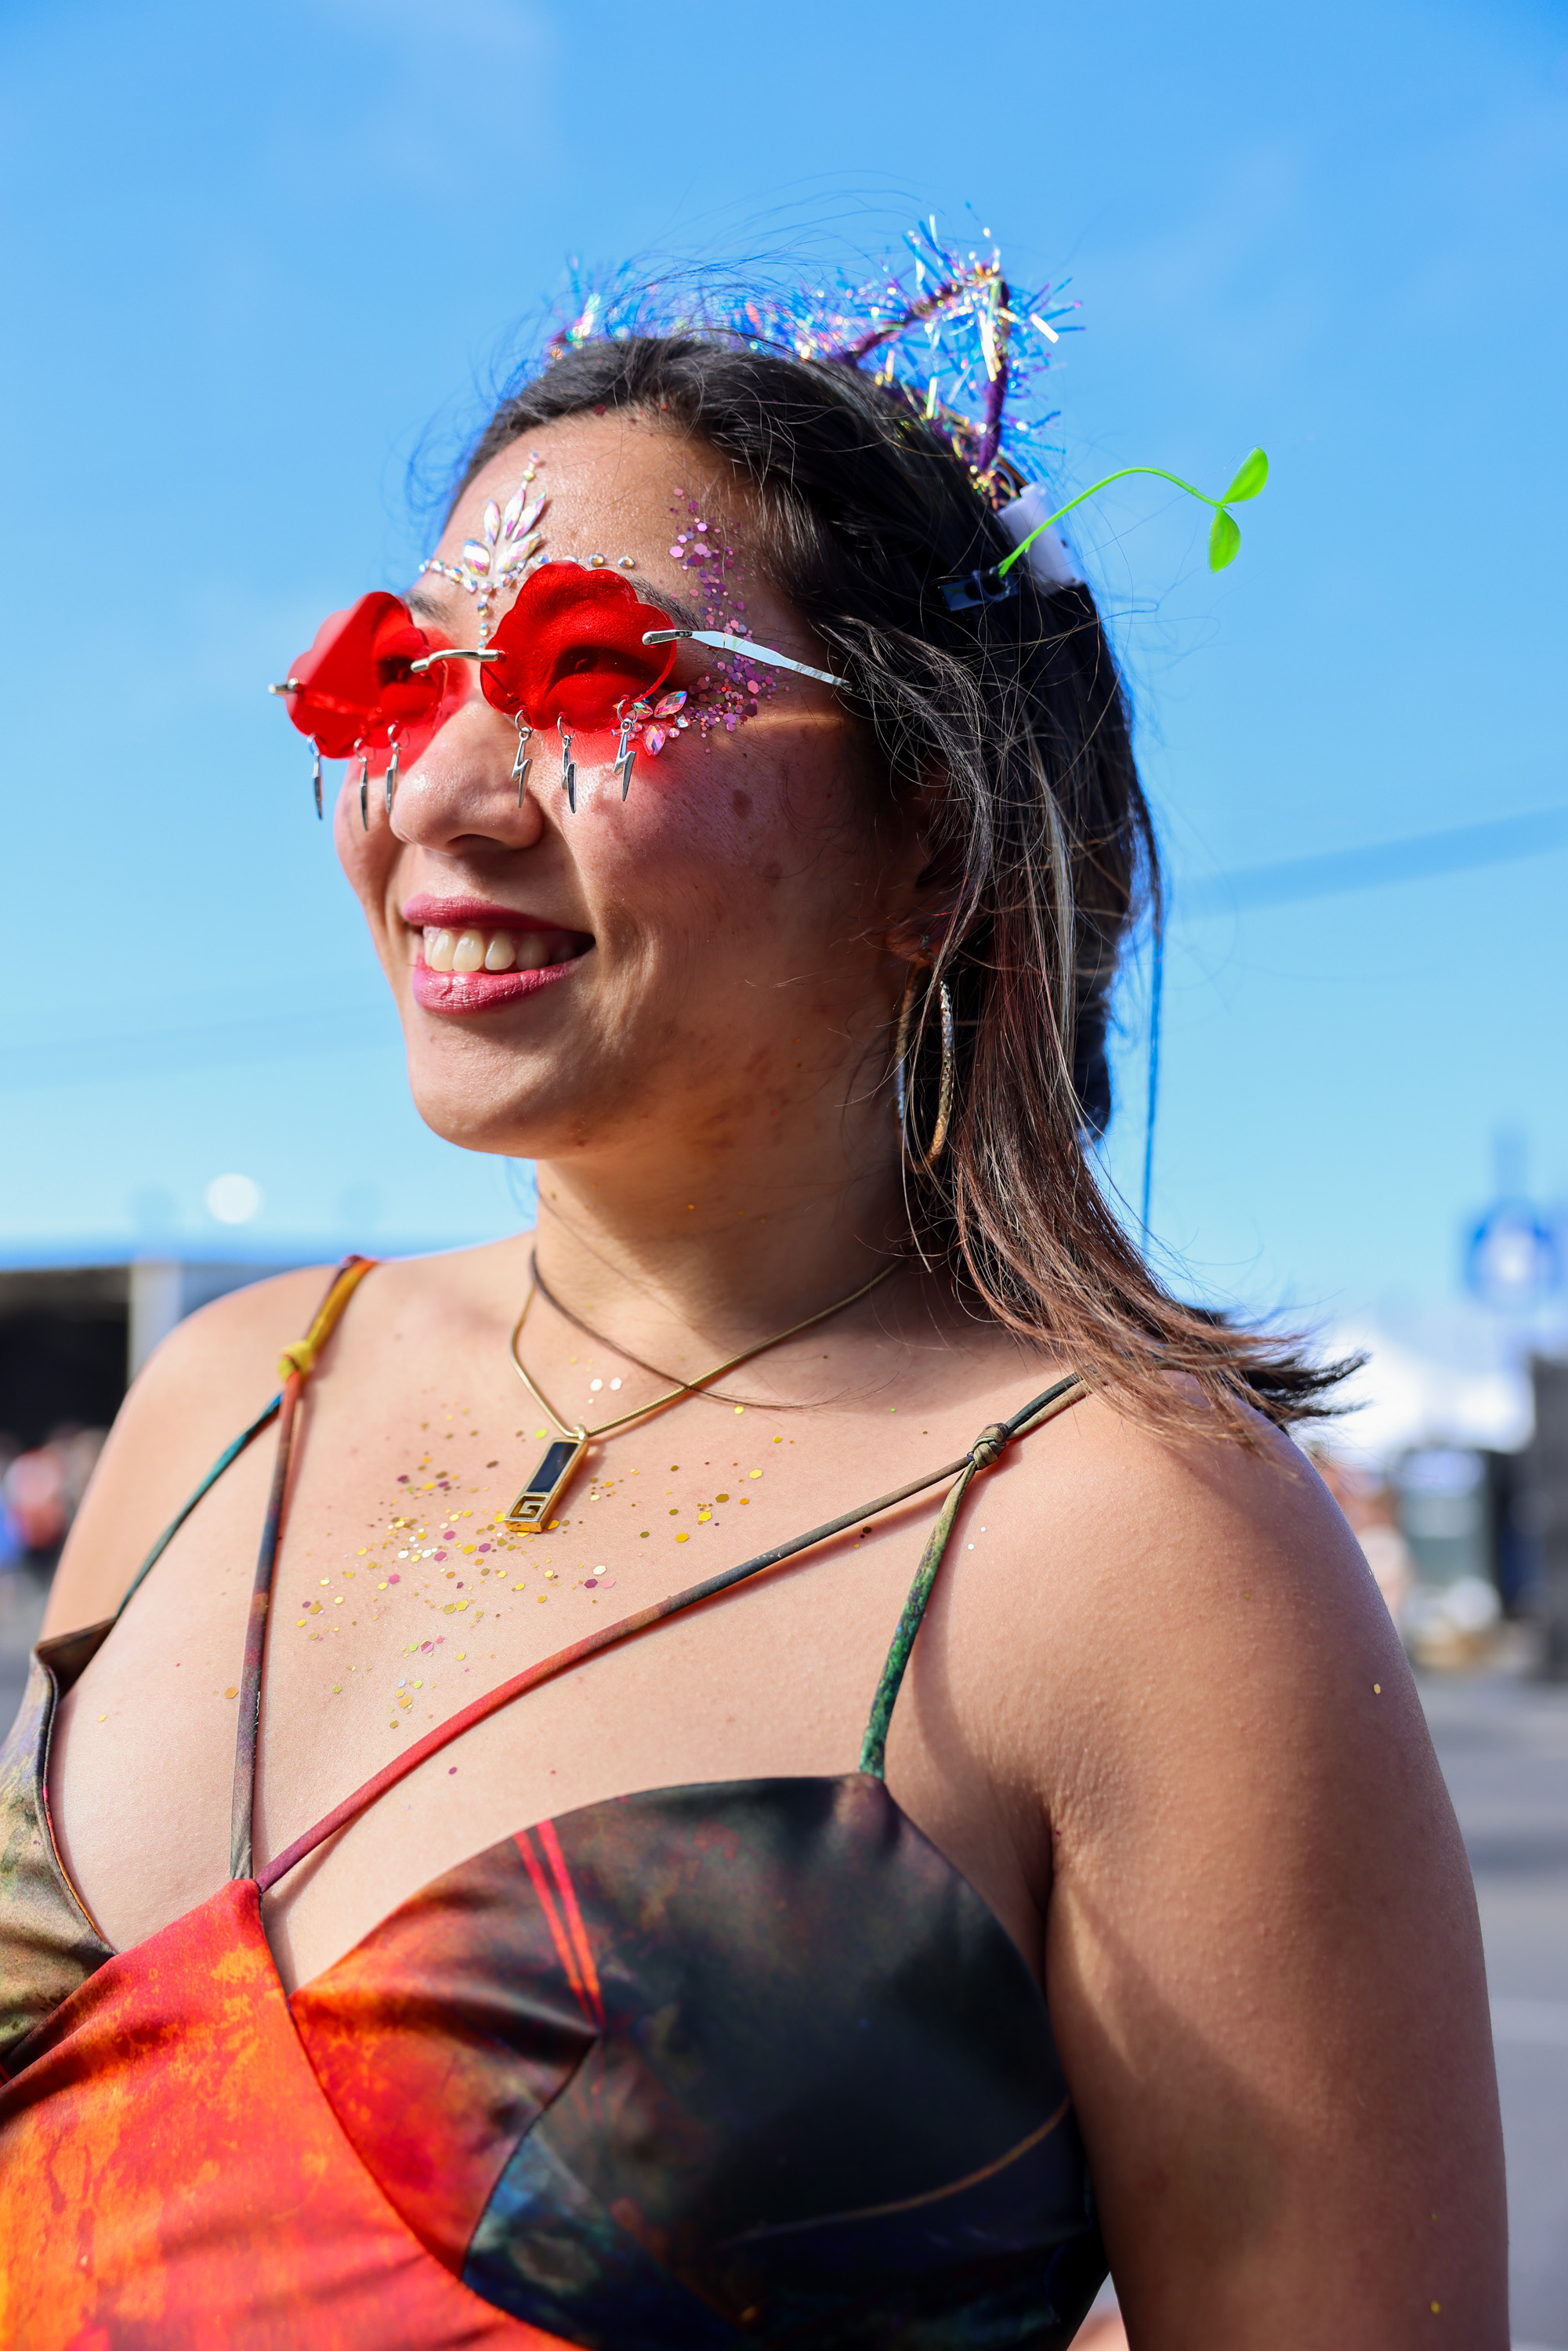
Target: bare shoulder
x,y
1262,1948
1196,1545
211,1377
207,1382
1209,1634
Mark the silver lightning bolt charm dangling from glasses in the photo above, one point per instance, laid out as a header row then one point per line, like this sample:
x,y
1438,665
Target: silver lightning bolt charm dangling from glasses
x,y
625,752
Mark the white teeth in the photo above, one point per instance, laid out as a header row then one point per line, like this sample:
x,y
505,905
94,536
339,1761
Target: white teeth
x,y
496,951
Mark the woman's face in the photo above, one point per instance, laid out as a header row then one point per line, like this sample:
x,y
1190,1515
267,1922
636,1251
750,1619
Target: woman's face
x,y
695,970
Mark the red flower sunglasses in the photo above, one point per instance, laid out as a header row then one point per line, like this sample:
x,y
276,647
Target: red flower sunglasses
x,y
578,651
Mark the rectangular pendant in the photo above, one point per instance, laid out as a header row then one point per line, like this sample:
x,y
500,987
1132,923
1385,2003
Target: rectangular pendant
x,y
549,1482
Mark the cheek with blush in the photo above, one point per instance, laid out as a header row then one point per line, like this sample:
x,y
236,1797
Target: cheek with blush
x,y
695,849
368,857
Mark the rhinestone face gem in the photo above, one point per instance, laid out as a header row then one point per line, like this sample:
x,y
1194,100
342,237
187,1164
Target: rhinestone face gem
x,y
504,554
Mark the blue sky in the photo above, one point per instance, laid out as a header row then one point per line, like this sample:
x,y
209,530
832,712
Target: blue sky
x,y
253,260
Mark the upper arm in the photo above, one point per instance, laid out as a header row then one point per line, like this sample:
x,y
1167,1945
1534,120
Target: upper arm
x,y
208,1380
1263,1953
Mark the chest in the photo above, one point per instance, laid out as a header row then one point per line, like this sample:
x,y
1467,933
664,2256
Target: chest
x,y
400,1593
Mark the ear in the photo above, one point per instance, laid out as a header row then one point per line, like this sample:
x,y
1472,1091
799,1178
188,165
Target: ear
x,y
918,936
924,897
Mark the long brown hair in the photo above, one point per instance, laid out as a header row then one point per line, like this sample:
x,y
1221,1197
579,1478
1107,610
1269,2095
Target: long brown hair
x,y
1011,719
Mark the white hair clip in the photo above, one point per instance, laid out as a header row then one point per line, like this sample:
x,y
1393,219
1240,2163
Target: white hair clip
x,y
1048,560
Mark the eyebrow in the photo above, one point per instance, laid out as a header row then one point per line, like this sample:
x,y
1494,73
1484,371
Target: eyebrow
x,y
687,616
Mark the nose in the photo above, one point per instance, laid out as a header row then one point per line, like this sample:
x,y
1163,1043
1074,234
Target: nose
x,y
463,790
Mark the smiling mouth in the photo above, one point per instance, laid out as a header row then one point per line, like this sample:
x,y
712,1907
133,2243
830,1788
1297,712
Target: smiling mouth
x,y
471,949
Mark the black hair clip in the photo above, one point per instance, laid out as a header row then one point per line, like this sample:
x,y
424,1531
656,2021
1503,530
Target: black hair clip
x,y
990,586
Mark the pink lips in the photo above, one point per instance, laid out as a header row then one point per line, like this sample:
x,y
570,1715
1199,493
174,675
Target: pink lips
x,y
481,991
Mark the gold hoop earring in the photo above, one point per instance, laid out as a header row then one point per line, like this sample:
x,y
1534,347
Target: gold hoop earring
x,y
926,1158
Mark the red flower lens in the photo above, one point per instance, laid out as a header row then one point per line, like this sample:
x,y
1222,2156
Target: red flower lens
x,y
355,682
573,648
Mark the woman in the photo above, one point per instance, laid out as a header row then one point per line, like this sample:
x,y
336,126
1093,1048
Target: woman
x,y
635,2013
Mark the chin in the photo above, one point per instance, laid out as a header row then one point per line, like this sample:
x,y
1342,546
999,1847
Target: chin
x,y
473,1094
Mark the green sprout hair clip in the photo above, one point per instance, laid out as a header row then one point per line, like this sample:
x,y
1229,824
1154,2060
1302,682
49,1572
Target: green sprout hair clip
x,y
1045,558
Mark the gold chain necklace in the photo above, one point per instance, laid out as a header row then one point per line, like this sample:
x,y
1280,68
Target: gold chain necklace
x,y
561,1461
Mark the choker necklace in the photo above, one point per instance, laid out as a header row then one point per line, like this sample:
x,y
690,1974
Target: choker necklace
x,y
562,1460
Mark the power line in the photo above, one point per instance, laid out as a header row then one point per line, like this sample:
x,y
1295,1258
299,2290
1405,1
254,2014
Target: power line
x,y
1371,868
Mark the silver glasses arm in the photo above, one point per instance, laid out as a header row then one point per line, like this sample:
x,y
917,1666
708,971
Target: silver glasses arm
x,y
740,645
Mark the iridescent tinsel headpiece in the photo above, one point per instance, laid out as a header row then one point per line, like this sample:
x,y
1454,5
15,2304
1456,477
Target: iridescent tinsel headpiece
x,y
967,348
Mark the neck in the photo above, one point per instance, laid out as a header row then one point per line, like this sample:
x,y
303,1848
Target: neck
x,y
729,1253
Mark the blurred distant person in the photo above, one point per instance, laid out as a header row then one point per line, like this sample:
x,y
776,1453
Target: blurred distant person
x,y
36,1491
11,1545
42,1488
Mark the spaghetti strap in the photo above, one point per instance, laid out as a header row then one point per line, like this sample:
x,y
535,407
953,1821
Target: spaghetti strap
x,y
225,1460
230,1453
295,1367
987,1448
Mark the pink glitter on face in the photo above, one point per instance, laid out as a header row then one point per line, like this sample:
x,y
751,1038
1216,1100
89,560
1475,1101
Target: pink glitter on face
x,y
728,693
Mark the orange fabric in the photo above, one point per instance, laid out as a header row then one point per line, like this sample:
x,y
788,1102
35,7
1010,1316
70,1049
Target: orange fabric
x,y
201,2195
